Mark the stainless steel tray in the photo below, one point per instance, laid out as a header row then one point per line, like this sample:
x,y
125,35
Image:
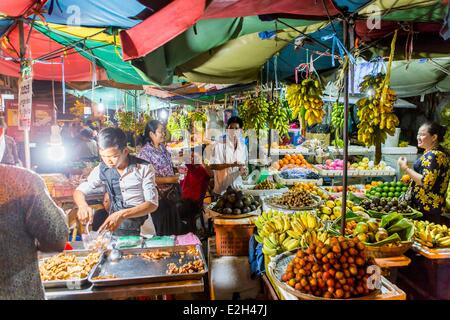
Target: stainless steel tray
x,y
138,270
73,284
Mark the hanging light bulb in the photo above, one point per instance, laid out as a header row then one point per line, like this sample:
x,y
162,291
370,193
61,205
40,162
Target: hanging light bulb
x,y
163,114
56,150
101,107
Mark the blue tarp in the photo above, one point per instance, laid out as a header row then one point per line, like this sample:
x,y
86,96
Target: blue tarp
x,y
289,58
94,13
4,25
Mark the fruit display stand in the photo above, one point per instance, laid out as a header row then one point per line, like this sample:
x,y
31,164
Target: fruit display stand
x,y
291,182
429,253
357,173
352,150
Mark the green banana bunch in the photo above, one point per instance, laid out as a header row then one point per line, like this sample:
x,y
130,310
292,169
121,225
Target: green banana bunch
x,y
125,120
198,119
185,122
431,235
173,125
278,117
337,115
254,113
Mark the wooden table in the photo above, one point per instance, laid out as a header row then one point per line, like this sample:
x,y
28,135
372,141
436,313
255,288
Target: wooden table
x,y
123,292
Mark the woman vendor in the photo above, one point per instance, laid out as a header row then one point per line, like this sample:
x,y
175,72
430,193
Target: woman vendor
x,y
166,219
130,183
430,174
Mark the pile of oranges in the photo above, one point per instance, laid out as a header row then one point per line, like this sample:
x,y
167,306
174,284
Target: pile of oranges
x,y
292,161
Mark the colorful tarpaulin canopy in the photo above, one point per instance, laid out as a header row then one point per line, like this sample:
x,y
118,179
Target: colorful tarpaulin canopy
x,y
139,42
72,40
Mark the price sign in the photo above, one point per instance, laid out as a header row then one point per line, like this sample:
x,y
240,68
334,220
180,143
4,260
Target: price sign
x,y
25,100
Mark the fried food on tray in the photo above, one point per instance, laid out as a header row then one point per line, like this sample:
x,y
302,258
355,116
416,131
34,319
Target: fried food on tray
x,y
192,251
155,255
105,277
190,267
65,266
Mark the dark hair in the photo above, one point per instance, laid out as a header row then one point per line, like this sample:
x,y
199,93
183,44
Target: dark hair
x,y
87,133
112,138
235,119
151,126
435,128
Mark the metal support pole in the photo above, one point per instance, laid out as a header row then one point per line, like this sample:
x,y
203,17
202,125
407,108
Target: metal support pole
x,y
26,132
345,133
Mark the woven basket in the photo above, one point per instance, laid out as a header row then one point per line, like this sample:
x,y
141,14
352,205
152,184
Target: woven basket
x,y
387,252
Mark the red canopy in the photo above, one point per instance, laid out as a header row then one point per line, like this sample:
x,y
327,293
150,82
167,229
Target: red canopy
x,y
155,31
76,67
15,8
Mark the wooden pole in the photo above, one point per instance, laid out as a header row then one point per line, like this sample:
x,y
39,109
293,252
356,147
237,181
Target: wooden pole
x,y
26,132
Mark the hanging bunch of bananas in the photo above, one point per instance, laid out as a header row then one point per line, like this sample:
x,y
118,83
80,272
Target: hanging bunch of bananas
x,y
376,110
125,120
254,113
198,119
142,121
337,115
431,235
78,109
337,121
305,101
280,232
174,125
279,117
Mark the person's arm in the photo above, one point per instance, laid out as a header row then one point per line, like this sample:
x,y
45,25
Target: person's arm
x,y
148,206
223,166
428,178
93,185
45,221
167,180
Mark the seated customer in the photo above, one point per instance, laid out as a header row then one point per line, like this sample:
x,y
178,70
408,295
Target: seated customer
x,y
194,187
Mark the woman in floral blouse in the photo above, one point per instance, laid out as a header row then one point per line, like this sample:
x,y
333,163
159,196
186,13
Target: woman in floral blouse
x,y
431,172
166,218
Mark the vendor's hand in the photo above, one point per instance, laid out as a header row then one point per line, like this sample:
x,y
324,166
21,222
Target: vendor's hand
x,y
402,163
112,222
85,215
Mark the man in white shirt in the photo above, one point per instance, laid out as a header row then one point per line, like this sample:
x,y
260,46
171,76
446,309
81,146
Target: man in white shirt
x,y
228,158
129,181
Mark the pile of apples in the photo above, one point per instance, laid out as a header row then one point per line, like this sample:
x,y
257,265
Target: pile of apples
x,y
336,164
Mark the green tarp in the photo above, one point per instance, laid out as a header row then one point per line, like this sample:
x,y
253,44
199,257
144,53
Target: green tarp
x,y
199,39
106,56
